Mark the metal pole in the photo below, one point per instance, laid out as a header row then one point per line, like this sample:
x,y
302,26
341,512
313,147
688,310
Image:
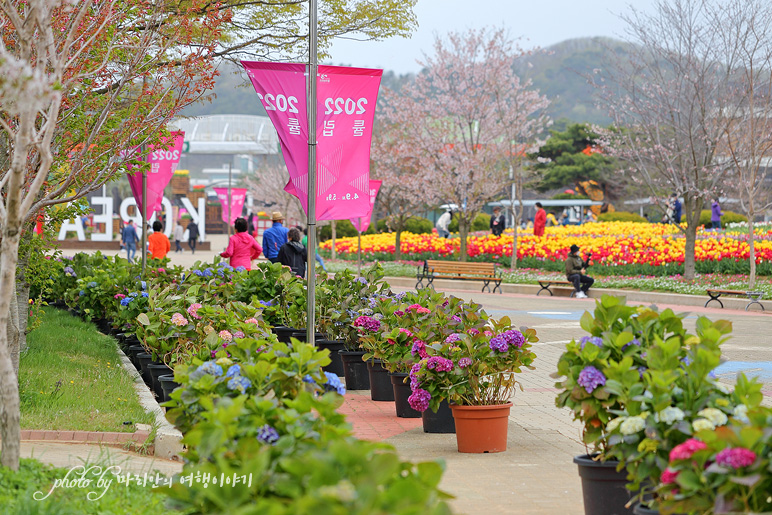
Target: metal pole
x,y
144,218
359,248
311,108
230,180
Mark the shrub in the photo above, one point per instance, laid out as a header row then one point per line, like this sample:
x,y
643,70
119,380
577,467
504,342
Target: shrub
x,y
343,229
569,196
621,216
416,225
481,222
730,217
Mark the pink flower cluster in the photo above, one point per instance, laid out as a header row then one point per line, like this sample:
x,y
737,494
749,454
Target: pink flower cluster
x,y
119,296
418,308
687,449
179,320
419,348
668,477
464,362
439,364
736,457
238,334
225,335
367,323
193,311
251,321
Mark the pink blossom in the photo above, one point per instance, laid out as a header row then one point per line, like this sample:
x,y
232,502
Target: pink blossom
x,y
119,296
225,335
668,477
251,321
179,320
193,311
736,457
687,449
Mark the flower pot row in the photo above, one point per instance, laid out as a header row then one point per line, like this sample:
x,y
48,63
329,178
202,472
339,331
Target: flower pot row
x,y
156,375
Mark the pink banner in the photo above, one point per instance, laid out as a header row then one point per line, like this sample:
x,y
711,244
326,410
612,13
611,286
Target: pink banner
x,y
236,204
163,162
362,223
345,112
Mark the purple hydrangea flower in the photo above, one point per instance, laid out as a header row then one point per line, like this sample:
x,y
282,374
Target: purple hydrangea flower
x,y
514,338
499,343
399,313
419,348
452,338
414,381
736,457
419,399
367,323
595,340
439,364
267,434
362,280
464,362
456,318
590,378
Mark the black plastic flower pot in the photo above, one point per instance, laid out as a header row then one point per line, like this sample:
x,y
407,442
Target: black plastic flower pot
x,y
145,359
355,370
334,346
103,325
440,422
134,350
401,393
157,370
603,488
168,384
283,333
641,509
300,334
380,382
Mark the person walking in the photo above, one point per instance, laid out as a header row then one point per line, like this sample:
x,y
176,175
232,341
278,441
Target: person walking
x,y
242,246
129,239
443,222
540,220
498,222
275,237
158,244
575,272
304,241
179,232
293,254
192,236
715,214
677,209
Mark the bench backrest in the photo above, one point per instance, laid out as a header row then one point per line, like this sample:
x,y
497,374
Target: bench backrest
x,y
459,267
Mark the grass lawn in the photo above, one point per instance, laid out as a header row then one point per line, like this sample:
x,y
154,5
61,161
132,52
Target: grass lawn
x,y
669,284
70,378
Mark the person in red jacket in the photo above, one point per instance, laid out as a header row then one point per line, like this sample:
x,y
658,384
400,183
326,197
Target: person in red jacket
x,y
242,246
539,221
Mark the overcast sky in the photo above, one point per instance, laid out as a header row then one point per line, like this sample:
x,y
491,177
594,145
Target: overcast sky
x,y
539,22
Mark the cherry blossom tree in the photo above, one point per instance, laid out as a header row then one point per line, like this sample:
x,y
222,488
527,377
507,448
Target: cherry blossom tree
x,y
465,113
668,100
79,82
407,189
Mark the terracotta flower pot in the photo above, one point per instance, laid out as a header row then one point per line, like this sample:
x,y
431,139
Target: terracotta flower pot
x,y
481,429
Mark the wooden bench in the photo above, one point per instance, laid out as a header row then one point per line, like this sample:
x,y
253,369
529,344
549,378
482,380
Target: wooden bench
x,y
753,296
434,269
547,283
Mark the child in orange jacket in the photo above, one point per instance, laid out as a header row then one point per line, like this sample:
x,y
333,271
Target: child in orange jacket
x,y
159,244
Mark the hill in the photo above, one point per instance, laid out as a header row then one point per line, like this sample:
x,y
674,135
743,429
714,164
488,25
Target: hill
x,y
558,72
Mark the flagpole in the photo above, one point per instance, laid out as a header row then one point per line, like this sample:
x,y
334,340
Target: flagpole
x,y
311,108
359,248
144,217
230,202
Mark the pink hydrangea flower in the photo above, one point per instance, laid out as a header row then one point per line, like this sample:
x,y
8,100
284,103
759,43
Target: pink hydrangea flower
x,y
464,362
251,321
473,331
119,296
668,477
162,270
687,449
193,311
736,457
238,334
225,335
179,320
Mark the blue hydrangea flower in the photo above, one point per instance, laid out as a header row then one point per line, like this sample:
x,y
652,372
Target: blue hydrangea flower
x,y
198,273
239,383
266,303
144,285
590,378
686,360
267,434
68,270
133,294
81,293
144,294
333,384
208,272
308,379
362,280
211,368
241,269
234,371
92,284
595,340
126,300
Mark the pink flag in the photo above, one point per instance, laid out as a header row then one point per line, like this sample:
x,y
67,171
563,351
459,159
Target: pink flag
x,y
229,214
163,163
345,112
362,223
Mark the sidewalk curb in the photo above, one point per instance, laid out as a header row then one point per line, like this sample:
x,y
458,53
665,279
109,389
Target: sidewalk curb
x,y
167,440
632,295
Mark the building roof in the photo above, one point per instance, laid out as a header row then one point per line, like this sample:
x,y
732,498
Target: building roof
x,y
228,134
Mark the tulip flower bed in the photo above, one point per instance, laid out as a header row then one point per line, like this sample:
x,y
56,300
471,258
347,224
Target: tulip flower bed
x,y
617,248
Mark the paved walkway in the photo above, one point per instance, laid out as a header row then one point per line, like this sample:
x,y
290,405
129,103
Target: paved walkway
x,y
536,474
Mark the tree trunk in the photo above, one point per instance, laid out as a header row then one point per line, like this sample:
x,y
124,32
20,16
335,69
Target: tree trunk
x,y
22,301
10,430
14,333
398,245
693,206
751,245
463,231
333,253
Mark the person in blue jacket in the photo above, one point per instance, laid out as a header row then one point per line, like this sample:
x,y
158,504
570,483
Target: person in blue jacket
x,y
677,208
274,237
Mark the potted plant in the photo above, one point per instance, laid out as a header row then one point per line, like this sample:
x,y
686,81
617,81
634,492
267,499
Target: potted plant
x,y
476,370
723,470
676,399
613,352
